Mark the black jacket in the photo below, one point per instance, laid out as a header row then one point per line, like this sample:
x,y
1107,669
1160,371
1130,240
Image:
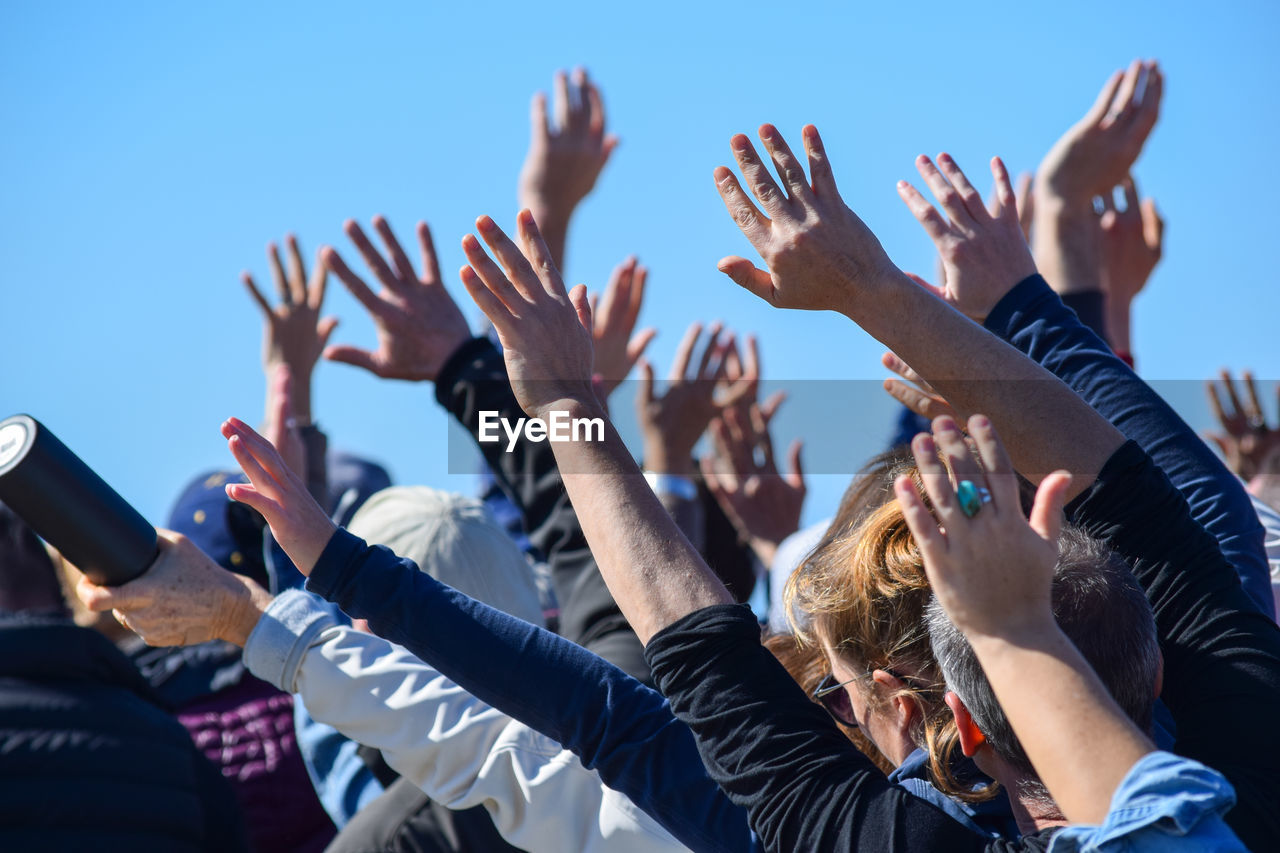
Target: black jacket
x,y
88,758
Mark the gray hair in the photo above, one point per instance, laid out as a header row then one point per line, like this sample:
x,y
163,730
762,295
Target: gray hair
x,y
1099,605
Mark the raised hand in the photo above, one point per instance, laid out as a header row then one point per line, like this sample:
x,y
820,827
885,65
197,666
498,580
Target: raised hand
x,y
1098,151
673,422
1132,243
614,320
983,250
763,504
184,598
419,325
1246,440
564,161
298,523
293,333
545,331
913,391
991,569
820,255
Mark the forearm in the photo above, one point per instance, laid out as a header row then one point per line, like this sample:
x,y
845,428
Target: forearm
x,y
1044,424
655,575
1119,331
1066,243
615,725
1079,741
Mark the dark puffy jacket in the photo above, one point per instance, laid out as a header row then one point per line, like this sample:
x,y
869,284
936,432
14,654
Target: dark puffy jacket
x,y
245,727
88,758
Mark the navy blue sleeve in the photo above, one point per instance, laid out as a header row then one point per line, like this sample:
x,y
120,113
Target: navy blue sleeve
x,y
1221,656
617,726
1033,319
804,784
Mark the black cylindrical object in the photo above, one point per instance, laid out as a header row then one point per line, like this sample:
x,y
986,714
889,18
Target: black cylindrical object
x,y
70,506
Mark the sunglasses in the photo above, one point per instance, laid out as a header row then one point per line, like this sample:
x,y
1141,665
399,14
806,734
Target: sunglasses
x,y
831,695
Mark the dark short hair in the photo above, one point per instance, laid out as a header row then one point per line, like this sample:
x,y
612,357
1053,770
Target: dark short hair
x,y
1099,605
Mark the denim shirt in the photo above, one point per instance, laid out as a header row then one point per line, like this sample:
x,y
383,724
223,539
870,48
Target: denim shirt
x,y
1165,804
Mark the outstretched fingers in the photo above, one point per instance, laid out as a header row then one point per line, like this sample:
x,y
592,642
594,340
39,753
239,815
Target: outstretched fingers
x,y
789,168
493,279
753,224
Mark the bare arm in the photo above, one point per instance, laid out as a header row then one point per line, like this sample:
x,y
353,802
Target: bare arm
x,y
564,161
992,571
653,572
821,256
1090,160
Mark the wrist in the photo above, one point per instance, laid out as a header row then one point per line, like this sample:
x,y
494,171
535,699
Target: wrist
x,y
576,404
244,606
547,213
662,460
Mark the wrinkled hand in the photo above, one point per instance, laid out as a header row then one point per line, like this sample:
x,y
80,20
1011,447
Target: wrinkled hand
x,y
913,392
614,319
1246,440
419,325
820,255
983,251
297,521
293,334
992,573
672,423
564,162
184,598
1099,150
1132,243
741,475
545,332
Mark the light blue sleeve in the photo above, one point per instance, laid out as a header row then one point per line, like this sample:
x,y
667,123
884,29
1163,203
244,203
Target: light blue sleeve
x,y
343,782
1166,804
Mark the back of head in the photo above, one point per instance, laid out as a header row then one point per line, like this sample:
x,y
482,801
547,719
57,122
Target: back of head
x,y
864,592
28,581
1099,605
455,540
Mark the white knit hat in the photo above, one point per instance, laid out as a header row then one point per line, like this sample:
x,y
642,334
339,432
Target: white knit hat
x,y
455,540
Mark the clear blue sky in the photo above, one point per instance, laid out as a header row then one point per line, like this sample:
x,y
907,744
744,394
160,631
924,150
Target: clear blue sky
x,y
150,150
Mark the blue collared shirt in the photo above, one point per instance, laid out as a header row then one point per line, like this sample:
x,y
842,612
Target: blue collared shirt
x,y
1165,804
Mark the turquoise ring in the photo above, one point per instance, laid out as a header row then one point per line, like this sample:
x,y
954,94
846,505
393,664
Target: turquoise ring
x,y
972,497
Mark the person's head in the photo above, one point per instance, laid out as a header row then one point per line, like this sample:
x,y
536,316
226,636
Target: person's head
x,y
28,581
860,598
808,666
1099,605
456,540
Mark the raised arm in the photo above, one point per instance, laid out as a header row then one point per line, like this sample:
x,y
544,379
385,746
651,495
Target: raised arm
x,y
566,158
654,573
1090,160
993,571
821,256
616,725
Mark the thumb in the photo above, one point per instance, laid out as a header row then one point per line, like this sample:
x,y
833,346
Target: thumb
x,y
645,394
354,356
582,304
746,275
324,329
1046,513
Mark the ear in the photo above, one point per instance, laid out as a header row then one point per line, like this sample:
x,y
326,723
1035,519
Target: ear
x,y
971,737
904,710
